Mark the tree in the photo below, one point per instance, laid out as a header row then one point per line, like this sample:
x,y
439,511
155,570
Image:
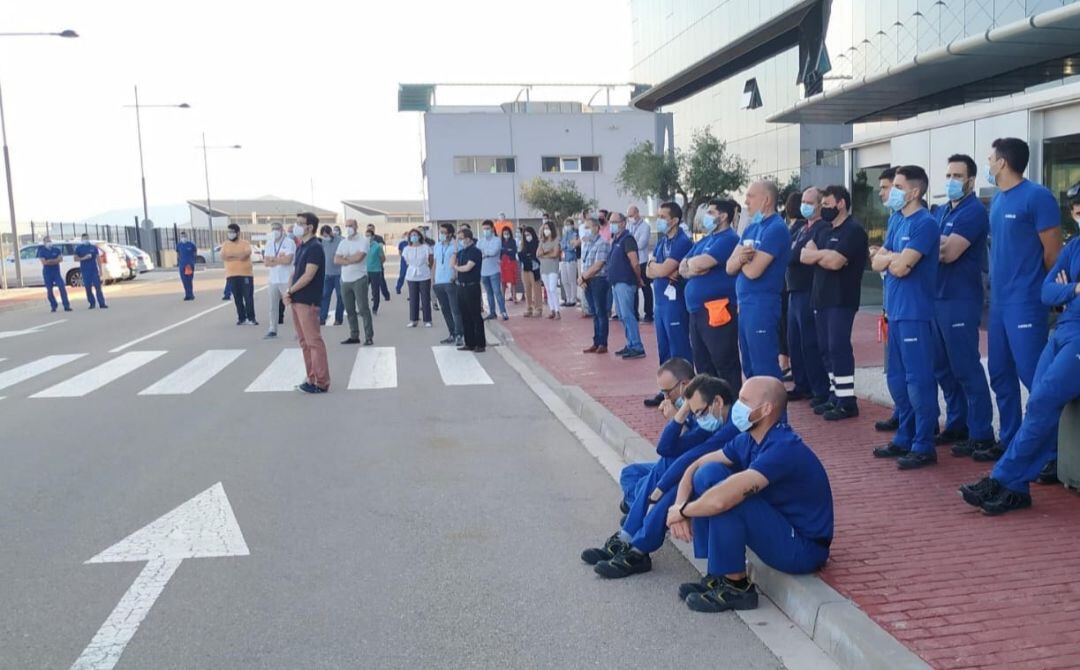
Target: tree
x,y
704,171
793,185
558,200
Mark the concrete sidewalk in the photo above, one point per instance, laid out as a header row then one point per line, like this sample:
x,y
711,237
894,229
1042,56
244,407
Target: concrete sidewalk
x,y
958,589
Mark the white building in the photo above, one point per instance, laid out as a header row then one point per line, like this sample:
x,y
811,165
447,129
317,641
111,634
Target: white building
x,y
391,218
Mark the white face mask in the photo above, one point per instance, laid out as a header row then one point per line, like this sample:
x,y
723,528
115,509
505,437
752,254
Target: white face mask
x,y
546,233
277,234
48,245
298,230
232,236
351,231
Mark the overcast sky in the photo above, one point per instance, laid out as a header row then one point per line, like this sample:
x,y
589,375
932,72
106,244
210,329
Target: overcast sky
x,y
309,89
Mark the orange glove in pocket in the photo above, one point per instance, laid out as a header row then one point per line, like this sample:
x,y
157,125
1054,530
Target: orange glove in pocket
x,y
188,271
719,315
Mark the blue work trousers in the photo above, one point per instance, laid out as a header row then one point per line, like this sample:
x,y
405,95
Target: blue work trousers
x,y
92,283
56,280
959,370
807,355
188,281
834,337
759,337
672,329
1017,335
912,385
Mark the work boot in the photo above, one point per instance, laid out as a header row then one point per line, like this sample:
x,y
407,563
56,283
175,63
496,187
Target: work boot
x,y
613,546
724,597
624,564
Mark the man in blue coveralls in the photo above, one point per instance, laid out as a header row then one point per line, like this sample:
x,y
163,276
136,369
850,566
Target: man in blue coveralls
x,y
766,490
957,311
910,256
186,253
1025,234
687,437
1032,453
710,296
669,303
87,255
759,263
885,181
807,354
51,257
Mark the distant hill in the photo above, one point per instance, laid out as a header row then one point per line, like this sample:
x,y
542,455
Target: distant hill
x,y
161,215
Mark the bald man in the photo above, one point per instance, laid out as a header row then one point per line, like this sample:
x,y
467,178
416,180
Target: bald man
x,y
765,490
758,264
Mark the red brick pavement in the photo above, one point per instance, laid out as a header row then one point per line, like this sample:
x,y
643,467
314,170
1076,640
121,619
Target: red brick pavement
x,y
960,589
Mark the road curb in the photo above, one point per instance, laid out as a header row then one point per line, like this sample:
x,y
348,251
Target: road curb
x,y
832,621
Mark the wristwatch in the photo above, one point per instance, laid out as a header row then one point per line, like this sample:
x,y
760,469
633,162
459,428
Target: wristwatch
x,y
682,513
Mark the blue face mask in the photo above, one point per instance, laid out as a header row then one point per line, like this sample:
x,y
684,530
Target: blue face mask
x,y
991,178
807,210
740,416
757,218
896,199
487,234
615,228
679,402
415,239
708,423
662,226
708,222
954,189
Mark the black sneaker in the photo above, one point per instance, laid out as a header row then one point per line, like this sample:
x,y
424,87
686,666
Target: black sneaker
x,y
368,342
891,450
889,426
242,322
253,322
839,413
479,350
977,493
820,410
916,460
654,401
351,340
796,395
633,354
723,598
447,340
966,448
950,436
1006,501
624,564
623,351
990,454
819,400
308,387
707,583
1049,474
612,547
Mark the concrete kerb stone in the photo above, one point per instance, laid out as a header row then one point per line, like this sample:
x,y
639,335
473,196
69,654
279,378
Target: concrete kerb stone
x,y
834,622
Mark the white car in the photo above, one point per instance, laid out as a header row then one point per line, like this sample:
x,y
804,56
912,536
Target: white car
x,y
112,265
145,263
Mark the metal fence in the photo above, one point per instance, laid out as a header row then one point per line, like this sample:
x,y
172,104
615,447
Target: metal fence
x,y
128,235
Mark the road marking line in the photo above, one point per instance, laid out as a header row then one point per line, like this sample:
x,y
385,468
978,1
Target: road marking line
x,y
166,329
29,331
459,368
95,378
374,368
283,374
35,368
194,373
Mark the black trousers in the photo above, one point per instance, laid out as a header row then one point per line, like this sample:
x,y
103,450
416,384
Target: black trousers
x,y
470,305
646,290
243,294
716,349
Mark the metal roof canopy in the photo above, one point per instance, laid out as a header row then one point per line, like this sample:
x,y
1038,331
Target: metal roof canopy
x,y
999,62
776,35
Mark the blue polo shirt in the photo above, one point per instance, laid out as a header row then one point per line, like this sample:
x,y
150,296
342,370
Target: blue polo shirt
x,y
962,279
912,297
310,252
772,237
619,268
186,252
1017,216
444,255
569,252
50,271
675,249
89,267
716,283
1064,295
798,484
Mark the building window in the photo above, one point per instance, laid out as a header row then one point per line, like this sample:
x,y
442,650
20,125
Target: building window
x,y
829,158
570,163
484,164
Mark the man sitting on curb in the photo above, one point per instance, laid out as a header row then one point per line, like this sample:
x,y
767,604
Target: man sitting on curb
x,y
765,490
644,528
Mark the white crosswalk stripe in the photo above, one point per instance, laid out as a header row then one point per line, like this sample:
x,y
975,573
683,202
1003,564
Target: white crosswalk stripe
x,y
283,374
35,368
374,368
194,373
459,368
95,378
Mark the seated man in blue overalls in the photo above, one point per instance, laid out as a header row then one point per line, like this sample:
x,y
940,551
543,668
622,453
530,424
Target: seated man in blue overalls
x,y
766,490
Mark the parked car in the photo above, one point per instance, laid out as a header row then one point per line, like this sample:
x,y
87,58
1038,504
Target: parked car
x,y
143,261
131,262
112,264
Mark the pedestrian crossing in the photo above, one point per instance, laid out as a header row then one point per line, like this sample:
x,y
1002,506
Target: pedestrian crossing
x,y
373,368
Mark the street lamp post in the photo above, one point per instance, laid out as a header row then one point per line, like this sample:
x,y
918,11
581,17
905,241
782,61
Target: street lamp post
x,y
138,130
7,174
209,207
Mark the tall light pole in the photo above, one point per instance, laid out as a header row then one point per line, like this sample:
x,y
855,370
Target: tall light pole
x,y
7,173
209,207
138,128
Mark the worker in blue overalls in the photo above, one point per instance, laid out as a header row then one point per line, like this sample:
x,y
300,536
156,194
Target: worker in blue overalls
x,y
885,181
669,302
910,257
760,262
1032,453
87,255
51,257
186,254
957,311
1025,240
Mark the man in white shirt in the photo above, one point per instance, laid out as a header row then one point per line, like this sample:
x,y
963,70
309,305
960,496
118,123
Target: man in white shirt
x,y
643,234
278,258
351,256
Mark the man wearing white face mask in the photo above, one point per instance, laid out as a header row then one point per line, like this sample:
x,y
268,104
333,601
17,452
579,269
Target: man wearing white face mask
x,y
766,491
305,297
278,259
351,256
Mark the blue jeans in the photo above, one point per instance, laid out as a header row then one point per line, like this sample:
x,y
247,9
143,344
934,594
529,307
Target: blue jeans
x,y
624,300
598,295
493,285
332,285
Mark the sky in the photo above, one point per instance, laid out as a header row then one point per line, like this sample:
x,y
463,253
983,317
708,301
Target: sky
x,y
309,90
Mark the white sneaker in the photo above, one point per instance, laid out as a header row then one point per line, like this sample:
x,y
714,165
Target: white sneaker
x,y
427,325
411,324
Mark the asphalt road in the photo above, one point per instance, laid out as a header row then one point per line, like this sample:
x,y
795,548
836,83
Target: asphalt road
x,y
416,526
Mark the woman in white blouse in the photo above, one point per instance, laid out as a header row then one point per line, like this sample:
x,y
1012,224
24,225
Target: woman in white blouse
x,y
418,261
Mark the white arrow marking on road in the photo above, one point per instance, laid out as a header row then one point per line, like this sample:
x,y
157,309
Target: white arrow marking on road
x,y
29,331
200,528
